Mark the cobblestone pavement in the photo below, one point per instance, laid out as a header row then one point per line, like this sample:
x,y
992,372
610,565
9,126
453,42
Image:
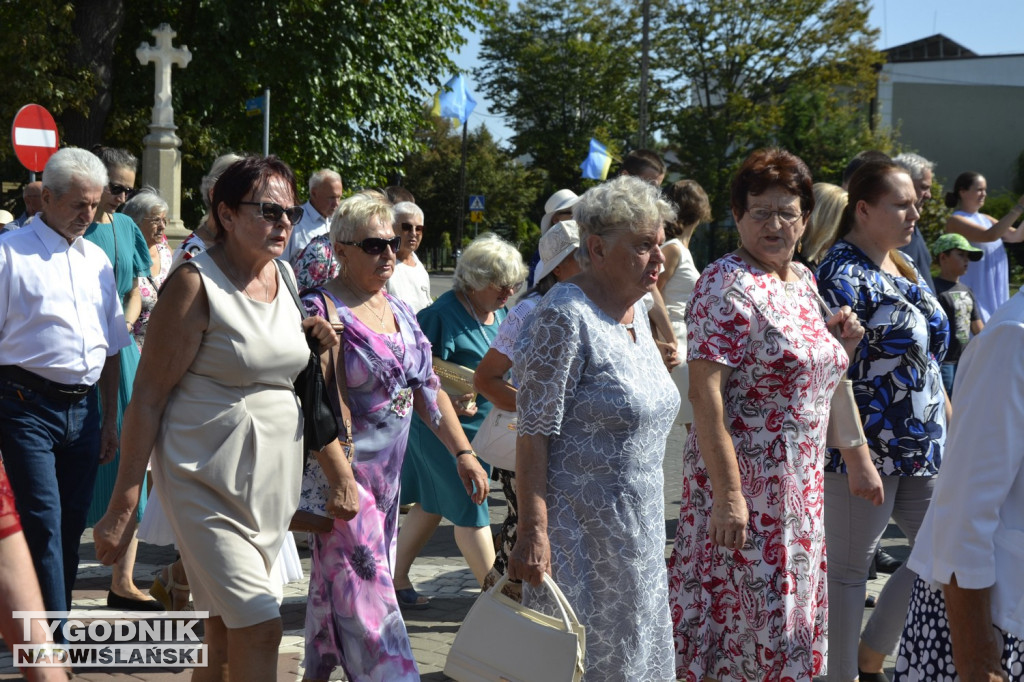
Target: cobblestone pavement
x,y
439,573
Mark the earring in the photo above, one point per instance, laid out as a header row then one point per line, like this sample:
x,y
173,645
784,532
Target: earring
x,y
800,246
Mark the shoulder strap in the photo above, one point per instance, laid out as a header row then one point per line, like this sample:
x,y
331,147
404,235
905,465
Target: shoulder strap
x,y
336,367
291,287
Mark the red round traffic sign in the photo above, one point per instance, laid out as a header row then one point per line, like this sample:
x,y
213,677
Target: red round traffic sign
x,y
34,136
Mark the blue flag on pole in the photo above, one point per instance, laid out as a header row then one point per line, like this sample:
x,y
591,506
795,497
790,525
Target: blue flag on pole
x,y
455,100
597,163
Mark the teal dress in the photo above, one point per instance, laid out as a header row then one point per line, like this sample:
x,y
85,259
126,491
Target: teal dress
x,y
429,475
132,261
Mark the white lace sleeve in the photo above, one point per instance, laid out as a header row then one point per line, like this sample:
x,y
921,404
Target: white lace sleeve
x,y
549,359
512,326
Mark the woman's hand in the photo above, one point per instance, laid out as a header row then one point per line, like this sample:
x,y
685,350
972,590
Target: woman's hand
x,y
473,476
343,499
465,405
321,330
112,535
846,327
728,524
531,556
861,474
669,354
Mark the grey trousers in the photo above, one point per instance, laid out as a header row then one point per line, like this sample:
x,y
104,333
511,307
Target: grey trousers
x,y
853,527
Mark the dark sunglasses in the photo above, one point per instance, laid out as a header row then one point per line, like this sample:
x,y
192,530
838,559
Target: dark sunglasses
x,y
409,227
272,212
116,189
376,245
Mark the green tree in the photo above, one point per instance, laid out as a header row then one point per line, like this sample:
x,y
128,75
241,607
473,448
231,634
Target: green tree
x,y
740,75
561,73
511,190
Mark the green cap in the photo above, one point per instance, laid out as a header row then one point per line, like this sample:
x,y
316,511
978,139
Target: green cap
x,y
950,241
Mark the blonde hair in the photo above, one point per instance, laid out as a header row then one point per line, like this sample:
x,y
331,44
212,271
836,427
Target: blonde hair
x,y
358,210
487,260
829,203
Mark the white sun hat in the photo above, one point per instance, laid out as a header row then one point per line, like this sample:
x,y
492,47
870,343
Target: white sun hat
x,y
559,201
556,244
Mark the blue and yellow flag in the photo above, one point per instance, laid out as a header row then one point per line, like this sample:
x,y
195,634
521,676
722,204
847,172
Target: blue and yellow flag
x,y
455,100
597,163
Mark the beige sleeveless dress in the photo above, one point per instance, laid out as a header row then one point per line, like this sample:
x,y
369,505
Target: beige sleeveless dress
x,y
228,455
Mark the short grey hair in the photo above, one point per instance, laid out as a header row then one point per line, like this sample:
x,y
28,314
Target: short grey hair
x,y
625,203
140,206
407,208
487,260
358,210
72,163
915,164
321,176
220,164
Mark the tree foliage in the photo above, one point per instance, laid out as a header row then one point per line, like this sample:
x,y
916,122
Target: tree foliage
x,y
797,73
562,72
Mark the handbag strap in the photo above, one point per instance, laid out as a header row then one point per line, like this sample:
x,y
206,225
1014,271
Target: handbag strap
x,y
336,367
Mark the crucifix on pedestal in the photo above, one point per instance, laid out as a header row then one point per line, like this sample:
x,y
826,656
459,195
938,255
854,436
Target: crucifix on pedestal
x,y
161,160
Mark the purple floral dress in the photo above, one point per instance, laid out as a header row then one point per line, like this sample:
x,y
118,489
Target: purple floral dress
x,y
149,286
352,617
315,264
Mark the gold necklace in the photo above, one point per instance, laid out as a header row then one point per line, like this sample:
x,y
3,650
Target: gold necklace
x,y
366,304
236,280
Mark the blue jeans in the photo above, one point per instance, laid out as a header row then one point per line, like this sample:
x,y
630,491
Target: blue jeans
x,y
948,371
51,453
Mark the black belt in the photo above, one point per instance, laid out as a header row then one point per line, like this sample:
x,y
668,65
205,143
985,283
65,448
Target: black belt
x,y
70,393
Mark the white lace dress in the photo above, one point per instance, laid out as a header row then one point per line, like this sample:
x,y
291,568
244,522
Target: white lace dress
x,y
607,404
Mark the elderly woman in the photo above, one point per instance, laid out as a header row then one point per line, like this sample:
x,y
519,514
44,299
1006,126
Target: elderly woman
x,y
990,280
352,617
215,406
904,409
747,573
595,406
558,263
460,325
411,281
204,236
149,211
967,610
680,275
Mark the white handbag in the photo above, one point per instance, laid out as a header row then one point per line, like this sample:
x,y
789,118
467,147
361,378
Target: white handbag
x,y
495,441
502,641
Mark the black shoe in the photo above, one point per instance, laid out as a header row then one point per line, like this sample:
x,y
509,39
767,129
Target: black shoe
x,y
870,601
885,562
116,601
872,677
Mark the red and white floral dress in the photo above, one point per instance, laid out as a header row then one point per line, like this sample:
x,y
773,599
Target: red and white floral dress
x,y
759,613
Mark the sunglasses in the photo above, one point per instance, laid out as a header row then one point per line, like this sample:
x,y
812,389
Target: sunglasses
x,y
409,227
116,189
376,245
272,212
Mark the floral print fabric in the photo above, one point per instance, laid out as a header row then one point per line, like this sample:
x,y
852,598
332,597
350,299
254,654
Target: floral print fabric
x,y
149,286
352,616
761,612
315,264
895,372
607,404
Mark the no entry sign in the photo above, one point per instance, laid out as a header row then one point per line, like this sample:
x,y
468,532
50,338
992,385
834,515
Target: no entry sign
x,y
34,135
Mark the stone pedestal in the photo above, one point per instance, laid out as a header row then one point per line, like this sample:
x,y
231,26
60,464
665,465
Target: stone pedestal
x,y
161,168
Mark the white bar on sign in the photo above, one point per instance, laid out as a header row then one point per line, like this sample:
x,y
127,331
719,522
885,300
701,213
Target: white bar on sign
x,y
35,137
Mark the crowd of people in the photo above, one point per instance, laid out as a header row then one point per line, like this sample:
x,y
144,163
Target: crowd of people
x,y
165,391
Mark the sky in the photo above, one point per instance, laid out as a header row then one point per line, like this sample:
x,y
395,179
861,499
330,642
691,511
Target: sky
x,y
986,27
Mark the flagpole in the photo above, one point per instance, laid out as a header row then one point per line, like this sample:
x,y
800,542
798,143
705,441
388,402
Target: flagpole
x,y
462,189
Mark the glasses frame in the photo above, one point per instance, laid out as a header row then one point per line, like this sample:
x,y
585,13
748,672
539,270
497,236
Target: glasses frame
x,y
782,221
117,189
409,227
272,212
374,246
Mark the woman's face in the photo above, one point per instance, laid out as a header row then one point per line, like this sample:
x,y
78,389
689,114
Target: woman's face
x,y
973,198
634,259
120,182
772,225
493,297
154,225
890,221
368,271
253,226
410,229
567,268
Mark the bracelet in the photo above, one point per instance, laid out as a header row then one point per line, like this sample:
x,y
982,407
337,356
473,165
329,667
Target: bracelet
x,y
460,453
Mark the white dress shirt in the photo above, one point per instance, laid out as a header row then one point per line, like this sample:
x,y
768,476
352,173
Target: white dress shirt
x,y
312,225
975,523
60,315
411,283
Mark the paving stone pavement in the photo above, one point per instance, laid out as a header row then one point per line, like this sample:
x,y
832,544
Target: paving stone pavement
x,y
439,573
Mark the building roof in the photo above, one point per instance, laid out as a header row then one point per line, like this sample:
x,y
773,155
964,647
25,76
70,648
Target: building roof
x,y
933,47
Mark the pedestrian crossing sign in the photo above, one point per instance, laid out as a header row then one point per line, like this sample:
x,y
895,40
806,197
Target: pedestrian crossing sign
x,y
476,202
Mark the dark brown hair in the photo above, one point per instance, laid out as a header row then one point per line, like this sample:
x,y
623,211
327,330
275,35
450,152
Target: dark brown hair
x,y
964,181
692,207
870,183
251,174
768,168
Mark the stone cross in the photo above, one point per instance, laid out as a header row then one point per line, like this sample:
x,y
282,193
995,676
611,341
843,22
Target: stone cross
x,y
164,57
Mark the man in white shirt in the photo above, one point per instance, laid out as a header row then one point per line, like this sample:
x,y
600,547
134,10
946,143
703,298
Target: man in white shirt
x,y
325,190
410,282
61,332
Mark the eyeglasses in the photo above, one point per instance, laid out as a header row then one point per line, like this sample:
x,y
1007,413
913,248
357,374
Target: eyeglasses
x,y
157,219
376,245
116,189
511,287
272,212
409,227
763,215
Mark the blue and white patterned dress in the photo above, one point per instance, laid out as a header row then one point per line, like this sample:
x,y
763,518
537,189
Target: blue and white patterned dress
x,y
607,404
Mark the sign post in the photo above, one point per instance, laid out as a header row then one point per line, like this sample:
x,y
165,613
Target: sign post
x,y
476,212
34,137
